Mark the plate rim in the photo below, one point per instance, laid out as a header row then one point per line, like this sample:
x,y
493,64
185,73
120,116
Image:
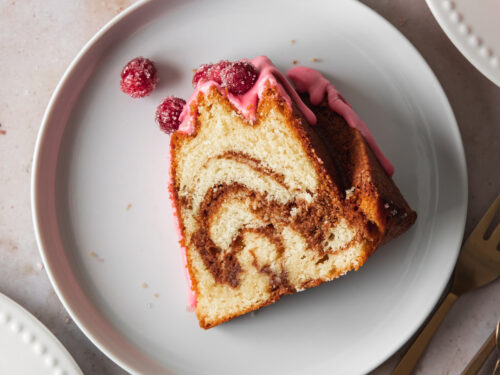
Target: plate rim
x,y
45,123
22,315
467,51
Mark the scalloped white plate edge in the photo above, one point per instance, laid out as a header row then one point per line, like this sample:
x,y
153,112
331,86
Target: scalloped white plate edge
x,y
47,351
455,26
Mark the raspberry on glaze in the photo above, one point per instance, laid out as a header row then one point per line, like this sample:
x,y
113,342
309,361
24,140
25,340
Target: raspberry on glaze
x,y
168,113
139,77
201,73
214,73
239,77
210,72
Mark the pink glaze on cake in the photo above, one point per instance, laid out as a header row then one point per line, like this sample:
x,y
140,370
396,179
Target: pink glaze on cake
x,y
311,81
247,103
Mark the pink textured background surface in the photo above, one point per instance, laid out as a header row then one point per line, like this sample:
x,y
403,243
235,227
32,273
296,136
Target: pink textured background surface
x,y
37,42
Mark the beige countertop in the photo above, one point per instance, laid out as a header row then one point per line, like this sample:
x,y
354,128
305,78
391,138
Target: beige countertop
x,y
38,39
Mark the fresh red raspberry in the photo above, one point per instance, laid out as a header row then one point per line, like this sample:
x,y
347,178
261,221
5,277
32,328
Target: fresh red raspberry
x,y
168,114
139,77
210,72
239,77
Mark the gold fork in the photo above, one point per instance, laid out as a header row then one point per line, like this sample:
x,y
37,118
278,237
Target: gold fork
x,y
496,371
477,265
484,352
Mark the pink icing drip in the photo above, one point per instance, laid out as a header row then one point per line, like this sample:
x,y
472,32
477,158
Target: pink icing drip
x,y
311,81
247,103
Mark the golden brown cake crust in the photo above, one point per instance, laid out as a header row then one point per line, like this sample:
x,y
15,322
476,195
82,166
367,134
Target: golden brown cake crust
x,y
342,160
356,166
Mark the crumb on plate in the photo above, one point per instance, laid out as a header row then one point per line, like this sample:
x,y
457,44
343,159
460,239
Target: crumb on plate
x,y
95,255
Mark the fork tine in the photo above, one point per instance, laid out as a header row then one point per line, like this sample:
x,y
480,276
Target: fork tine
x,y
485,222
495,236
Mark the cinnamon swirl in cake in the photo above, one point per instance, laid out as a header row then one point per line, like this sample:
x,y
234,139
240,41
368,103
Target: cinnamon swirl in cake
x,y
275,192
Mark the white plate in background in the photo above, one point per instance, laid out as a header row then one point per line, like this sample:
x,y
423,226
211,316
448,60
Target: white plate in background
x,y
474,28
28,347
99,151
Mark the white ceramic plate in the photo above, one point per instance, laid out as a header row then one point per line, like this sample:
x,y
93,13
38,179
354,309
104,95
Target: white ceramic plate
x,y
99,151
474,28
27,347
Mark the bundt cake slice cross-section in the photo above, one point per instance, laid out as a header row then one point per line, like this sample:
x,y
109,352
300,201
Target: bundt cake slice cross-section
x,y
260,201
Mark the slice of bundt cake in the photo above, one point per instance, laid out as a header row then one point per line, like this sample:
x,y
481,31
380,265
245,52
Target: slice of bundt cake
x,y
274,194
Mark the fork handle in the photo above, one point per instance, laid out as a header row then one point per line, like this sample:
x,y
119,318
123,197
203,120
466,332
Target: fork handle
x,y
481,356
410,359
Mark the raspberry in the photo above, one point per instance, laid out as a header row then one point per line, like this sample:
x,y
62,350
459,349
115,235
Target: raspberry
x,y
139,77
214,73
168,113
239,77
210,72
201,73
